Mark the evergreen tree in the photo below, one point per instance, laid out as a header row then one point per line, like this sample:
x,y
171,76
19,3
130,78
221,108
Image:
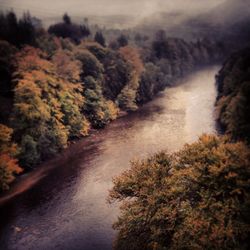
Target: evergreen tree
x,y
122,41
99,38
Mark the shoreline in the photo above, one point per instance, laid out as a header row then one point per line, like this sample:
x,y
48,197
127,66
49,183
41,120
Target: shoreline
x,y
27,180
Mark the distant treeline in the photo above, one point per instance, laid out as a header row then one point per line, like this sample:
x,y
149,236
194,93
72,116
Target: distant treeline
x,y
56,85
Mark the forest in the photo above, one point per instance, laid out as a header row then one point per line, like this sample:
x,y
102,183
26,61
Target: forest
x,y
59,84
62,83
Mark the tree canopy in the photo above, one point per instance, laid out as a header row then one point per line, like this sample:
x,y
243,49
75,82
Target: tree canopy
x,y
196,198
233,104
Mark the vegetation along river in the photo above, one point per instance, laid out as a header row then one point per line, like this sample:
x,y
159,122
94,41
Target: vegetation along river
x,y
65,206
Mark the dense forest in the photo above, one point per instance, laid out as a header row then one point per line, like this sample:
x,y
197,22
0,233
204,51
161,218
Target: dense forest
x,y
57,85
198,197
233,104
66,81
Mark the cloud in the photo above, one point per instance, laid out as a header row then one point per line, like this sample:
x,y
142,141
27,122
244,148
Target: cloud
x,y
106,7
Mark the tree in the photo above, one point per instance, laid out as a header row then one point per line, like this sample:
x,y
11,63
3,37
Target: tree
x,y
91,66
66,19
122,40
127,98
116,74
7,53
152,81
17,32
67,29
98,110
47,104
159,45
26,30
11,28
99,38
67,66
233,104
8,164
197,198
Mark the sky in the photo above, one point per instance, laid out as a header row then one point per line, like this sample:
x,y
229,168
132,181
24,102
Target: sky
x,y
140,8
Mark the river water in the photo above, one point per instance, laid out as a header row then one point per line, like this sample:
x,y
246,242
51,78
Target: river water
x,y
65,207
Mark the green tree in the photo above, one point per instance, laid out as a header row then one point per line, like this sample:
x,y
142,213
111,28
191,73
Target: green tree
x,y
233,104
127,98
98,110
91,66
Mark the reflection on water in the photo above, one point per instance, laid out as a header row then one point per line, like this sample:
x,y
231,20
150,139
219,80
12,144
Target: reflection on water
x,y
67,209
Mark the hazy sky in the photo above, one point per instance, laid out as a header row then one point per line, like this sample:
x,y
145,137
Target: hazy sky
x,y
43,8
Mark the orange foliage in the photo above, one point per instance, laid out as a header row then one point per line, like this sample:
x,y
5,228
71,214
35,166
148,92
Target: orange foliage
x,y
8,164
132,55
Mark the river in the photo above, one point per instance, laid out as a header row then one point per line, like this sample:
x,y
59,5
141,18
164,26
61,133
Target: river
x,y
65,206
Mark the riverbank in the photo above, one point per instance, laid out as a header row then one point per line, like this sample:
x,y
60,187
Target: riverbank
x,y
66,207
28,179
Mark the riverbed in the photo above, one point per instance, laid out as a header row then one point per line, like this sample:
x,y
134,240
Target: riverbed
x,y
65,206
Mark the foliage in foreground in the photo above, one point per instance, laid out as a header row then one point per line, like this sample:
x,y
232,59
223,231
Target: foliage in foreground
x,y
197,198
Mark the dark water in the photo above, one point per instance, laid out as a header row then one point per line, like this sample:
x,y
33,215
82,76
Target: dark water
x,y
67,208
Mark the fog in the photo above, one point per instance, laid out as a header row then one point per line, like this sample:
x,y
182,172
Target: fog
x,y
139,8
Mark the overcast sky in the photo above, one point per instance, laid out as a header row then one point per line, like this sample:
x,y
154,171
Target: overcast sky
x,y
44,8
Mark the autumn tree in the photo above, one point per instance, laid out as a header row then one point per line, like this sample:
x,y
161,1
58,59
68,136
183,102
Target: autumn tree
x,y
127,98
197,198
8,163
67,66
47,107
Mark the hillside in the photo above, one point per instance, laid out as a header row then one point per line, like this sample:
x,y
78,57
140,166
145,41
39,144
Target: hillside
x,y
221,23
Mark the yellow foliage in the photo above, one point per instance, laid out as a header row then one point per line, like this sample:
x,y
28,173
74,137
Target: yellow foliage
x,y
8,165
113,110
132,55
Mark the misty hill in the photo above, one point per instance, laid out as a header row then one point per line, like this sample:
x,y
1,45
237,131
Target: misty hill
x,y
229,20
111,22
230,12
